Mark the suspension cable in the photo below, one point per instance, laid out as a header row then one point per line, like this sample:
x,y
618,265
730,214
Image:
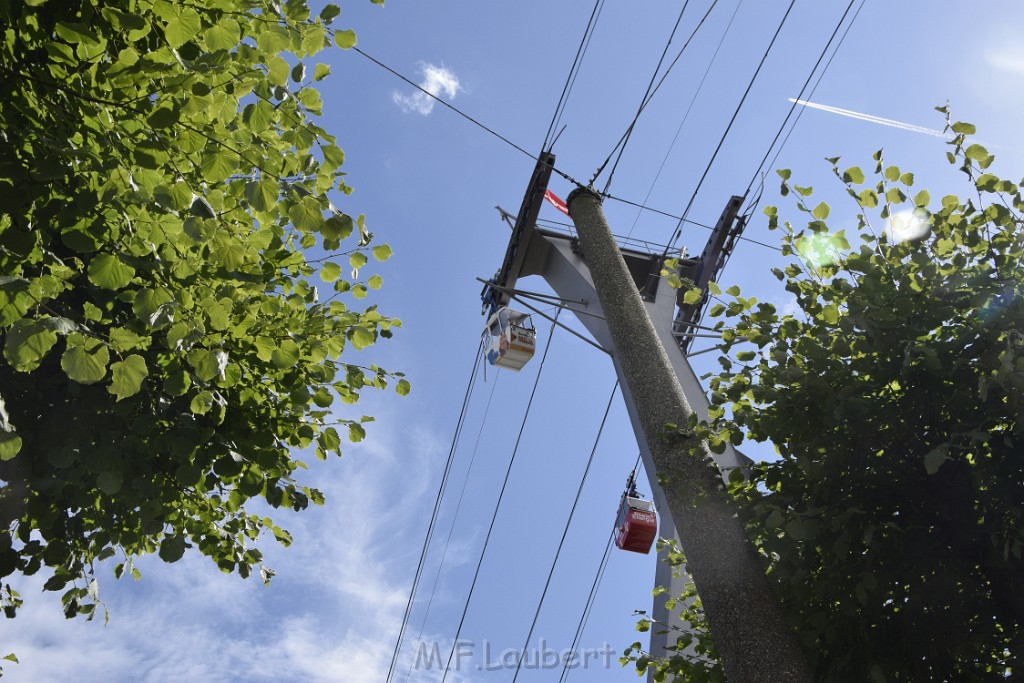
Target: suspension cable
x,y
693,197
574,70
455,518
652,92
437,505
565,532
686,115
594,586
800,96
643,100
501,495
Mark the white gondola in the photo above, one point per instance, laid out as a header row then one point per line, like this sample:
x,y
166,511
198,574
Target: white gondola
x,y
509,339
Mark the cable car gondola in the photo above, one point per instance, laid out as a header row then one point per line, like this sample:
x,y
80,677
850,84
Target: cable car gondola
x,y
637,523
509,339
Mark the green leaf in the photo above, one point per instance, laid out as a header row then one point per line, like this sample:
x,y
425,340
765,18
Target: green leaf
x,y
172,548
202,403
306,215
204,363
86,363
149,304
692,296
868,198
375,282
830,314
176,196
262,194
922,198
298,72
337,227
853,175
402,388
109,272
357,260
128,376
277,71
217,165
286,354
330,271
259,116
356,433
979,154
382,252
961,128
345,39
935,459
109,482
224,35
361,337
10,445
321,72
26,344
821,211
163,117
183,28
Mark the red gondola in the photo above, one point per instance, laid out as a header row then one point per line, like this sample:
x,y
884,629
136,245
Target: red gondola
x,y
637,524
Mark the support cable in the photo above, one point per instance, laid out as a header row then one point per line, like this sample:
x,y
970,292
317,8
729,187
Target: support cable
x,y
555,169
621,146
686,116
801,95
455,518
437,505
565,532
594,586
585,616
652,92
693,197
574,70
497,505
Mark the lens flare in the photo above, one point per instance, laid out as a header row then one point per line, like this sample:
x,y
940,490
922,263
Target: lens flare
x,y
909,225
820,249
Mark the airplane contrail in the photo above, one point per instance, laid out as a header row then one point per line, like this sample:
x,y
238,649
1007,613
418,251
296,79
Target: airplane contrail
x,y
870,118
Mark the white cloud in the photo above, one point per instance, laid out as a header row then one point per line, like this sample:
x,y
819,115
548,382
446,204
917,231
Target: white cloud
x,y
330,615
439,81
1006,57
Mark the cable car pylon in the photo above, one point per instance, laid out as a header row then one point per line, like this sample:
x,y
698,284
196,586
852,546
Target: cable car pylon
x,y
659,387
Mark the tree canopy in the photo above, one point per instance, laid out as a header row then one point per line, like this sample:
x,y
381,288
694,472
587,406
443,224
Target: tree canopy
x,y
166,348
891,524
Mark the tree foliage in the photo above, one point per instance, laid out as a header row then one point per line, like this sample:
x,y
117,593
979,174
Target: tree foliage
x,y
891,524
165,349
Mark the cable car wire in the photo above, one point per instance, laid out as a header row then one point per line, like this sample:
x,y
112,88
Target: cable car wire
x,y
433,518
501,495
574,70
585,616
565,532
693,197
752,206
800,96
455,519
621,145
652,91
555,169
594,587
686,115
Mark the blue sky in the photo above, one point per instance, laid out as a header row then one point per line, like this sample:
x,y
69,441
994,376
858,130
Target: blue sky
x,y
428,182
